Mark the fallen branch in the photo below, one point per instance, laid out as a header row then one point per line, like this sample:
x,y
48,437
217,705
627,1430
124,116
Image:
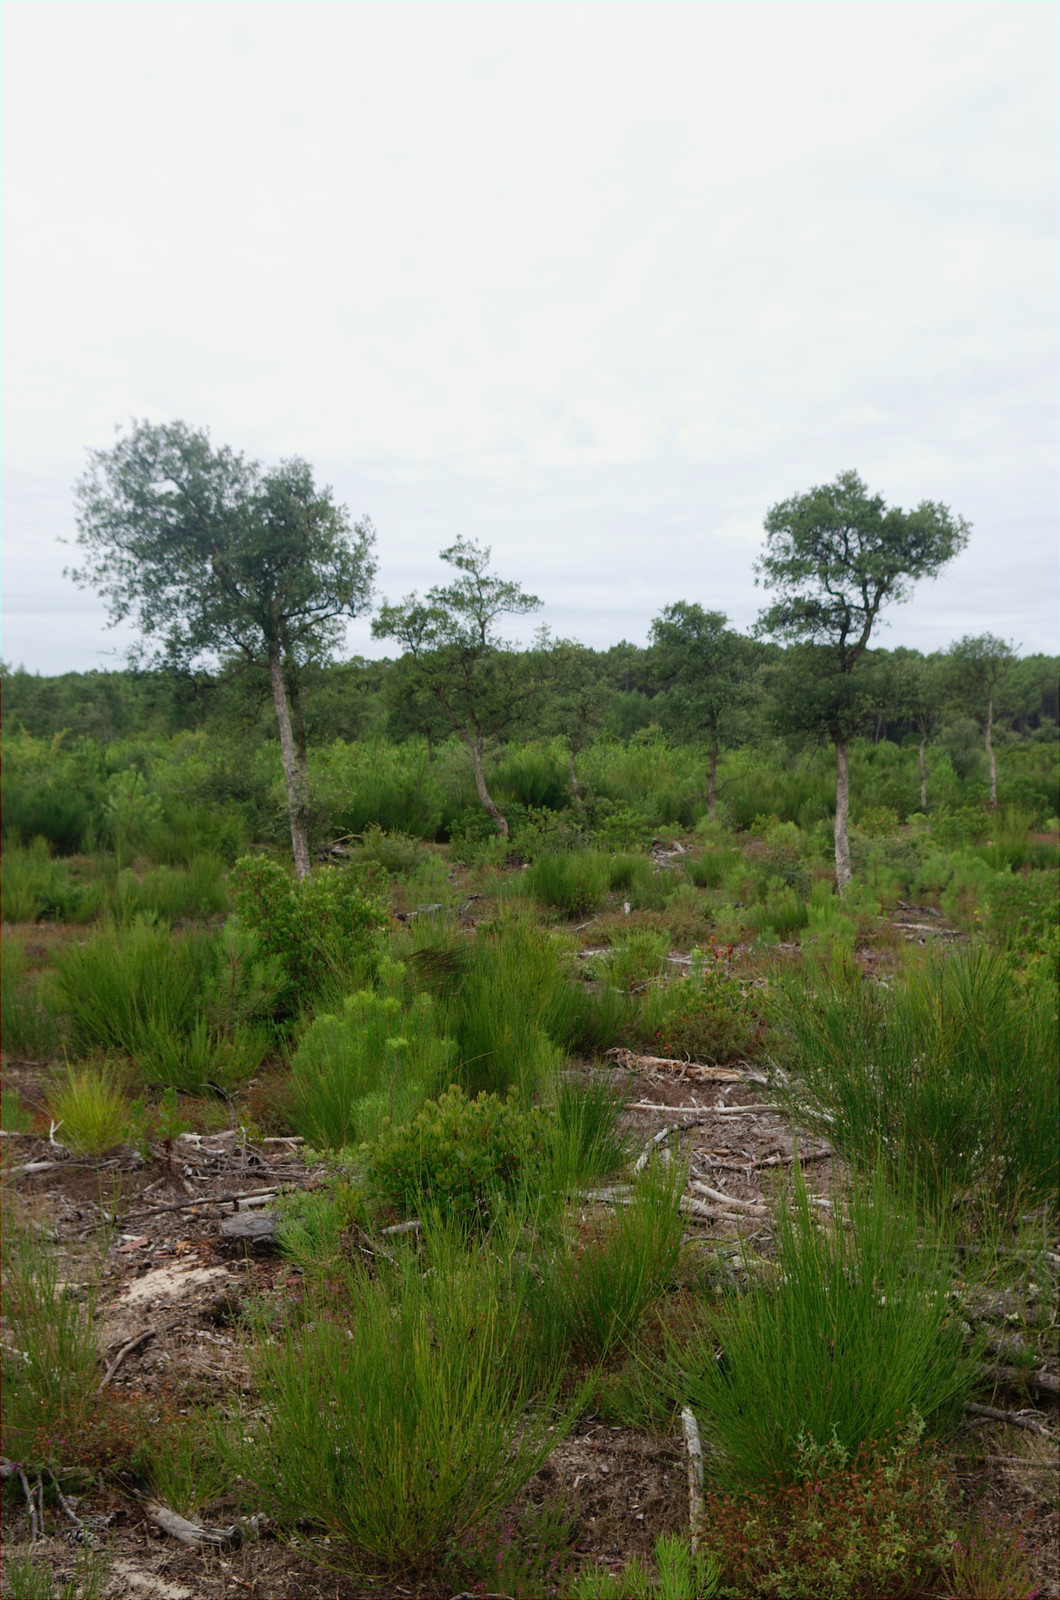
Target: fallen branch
x,y
205,1200
1014,1419
754,1206
1042,1380
649,1149
695,1475
193,1534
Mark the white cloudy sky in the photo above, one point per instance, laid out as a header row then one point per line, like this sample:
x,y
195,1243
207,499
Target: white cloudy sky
x,y
592,281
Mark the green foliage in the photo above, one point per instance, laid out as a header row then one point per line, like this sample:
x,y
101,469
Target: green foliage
x,y
867,1521
709,1015
46,792
525,1558
949,1082
48,1359
598,1284
395,1413
376,784
574,884
326,929
34,887
374,1059
88,1105
990,1557
185,1465
184,1006
29,1579
680,1575
28,1021
856,1330
632,962
457,1155
586,1142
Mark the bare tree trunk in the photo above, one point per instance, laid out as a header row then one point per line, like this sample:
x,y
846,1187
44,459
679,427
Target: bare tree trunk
x,y
842,816
476,745
578,801
297,788
923,775
990,751
712,783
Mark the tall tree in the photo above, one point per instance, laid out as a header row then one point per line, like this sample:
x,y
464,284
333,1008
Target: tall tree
x,y
835,556
217,558
701,664
455,654
978,667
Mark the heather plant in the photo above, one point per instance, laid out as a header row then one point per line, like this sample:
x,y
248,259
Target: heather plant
x,y
867,1521
990,1557
709,1015
948,1082
854,1329
526,1558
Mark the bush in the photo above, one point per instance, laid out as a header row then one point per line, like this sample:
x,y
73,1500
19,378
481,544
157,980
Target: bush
x,y
872,1521
856,1330
633,961
34,887
29,1024
88,1105
708,1015
950,1082
325,930
457,1156
372,1061
586,1141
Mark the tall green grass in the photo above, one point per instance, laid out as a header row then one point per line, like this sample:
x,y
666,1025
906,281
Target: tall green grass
x,y
855,1332
29,1022
396,1416
573,883
948,1082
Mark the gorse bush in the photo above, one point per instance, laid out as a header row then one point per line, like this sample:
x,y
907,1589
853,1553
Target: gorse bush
x,y
949,1083
856,1330
326,930
458,1156
373,1060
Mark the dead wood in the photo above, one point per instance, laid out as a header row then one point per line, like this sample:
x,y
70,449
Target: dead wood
x,y
193,1534
1014,1419
695,1475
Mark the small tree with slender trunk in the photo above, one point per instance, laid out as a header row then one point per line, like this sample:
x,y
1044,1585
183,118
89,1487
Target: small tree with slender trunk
x,y
217,558
702,666
835,556
978,667
454,654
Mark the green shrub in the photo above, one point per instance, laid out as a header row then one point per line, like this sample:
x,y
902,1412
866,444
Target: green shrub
x,y
47,791
373,1060
586,1142
708,1015
457,1155
632,961
34,887
192,894
949,1081
709,870
856,1330
325,930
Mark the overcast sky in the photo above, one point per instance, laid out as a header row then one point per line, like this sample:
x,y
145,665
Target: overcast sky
x,y
593,283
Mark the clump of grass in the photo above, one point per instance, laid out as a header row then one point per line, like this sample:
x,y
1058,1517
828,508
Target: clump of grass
x,y
587,1143
396,1421
33,885
856,1330
184,1463
87,1103
597,1285
49,1365
708,1015
950,1082
29,1023
632,961
26,1578
574,883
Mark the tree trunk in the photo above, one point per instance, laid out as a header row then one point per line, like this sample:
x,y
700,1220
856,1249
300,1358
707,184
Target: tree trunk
x,y
712,783
923,775
578,801
842,816
297,788
990,751
480,784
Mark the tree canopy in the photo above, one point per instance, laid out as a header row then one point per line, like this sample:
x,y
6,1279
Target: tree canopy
x,y
216,557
